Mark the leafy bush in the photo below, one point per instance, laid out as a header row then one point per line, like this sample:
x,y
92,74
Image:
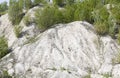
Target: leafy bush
x,y
2,13
115,13
102,28
15,12
48,16
112,32
37,2
27,20
3,47
70,2
58,2
17,31
3,8
101,21
83,12
100,15
69,13
28,4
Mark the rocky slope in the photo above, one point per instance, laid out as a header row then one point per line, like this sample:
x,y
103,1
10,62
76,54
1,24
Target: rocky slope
x,y
71,50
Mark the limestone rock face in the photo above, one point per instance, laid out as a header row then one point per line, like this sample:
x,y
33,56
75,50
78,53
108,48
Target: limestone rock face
x,y
7,30
71,50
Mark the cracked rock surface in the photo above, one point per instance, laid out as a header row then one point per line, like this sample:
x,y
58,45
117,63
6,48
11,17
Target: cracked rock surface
x,y
72,50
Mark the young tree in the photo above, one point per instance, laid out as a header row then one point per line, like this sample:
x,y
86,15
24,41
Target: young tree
x,y
69,2
58,2
69,13
28,4
36,2
3,6
48,16
14,12
3,47
21,4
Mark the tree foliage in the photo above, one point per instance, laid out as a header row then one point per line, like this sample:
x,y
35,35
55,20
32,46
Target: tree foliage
x,y
28,4
3,6
3,47
37,2
15,12
69,2
69,13
58,2
48,16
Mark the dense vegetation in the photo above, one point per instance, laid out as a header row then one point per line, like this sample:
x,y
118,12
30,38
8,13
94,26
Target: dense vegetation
x,y
49,16
105,18
3,47
3,8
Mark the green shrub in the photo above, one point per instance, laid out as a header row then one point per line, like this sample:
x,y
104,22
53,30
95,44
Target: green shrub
x,y
27,20
37,2
83,12
70,2
101,28
58,2
3,8
3,47
2,13
69,13
17,30
112,32
101,22
28,4
115,13
48,16
111,2
15,12
100,15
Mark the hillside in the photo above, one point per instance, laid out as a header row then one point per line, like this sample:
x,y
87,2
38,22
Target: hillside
x,y
66,39
71,50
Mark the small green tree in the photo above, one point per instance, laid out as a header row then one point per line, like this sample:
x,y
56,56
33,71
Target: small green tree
x,y
28,4
69,13
47,17
58,2
102,28
3,6
101,22
37,2
3,47
27,20
83,12
69,2
17,30
21,4
15,12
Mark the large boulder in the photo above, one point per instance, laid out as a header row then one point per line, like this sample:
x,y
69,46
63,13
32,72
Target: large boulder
x,y
71,50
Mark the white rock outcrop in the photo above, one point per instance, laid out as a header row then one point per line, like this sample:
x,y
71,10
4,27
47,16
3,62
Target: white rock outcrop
x,y
71,50
7,30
